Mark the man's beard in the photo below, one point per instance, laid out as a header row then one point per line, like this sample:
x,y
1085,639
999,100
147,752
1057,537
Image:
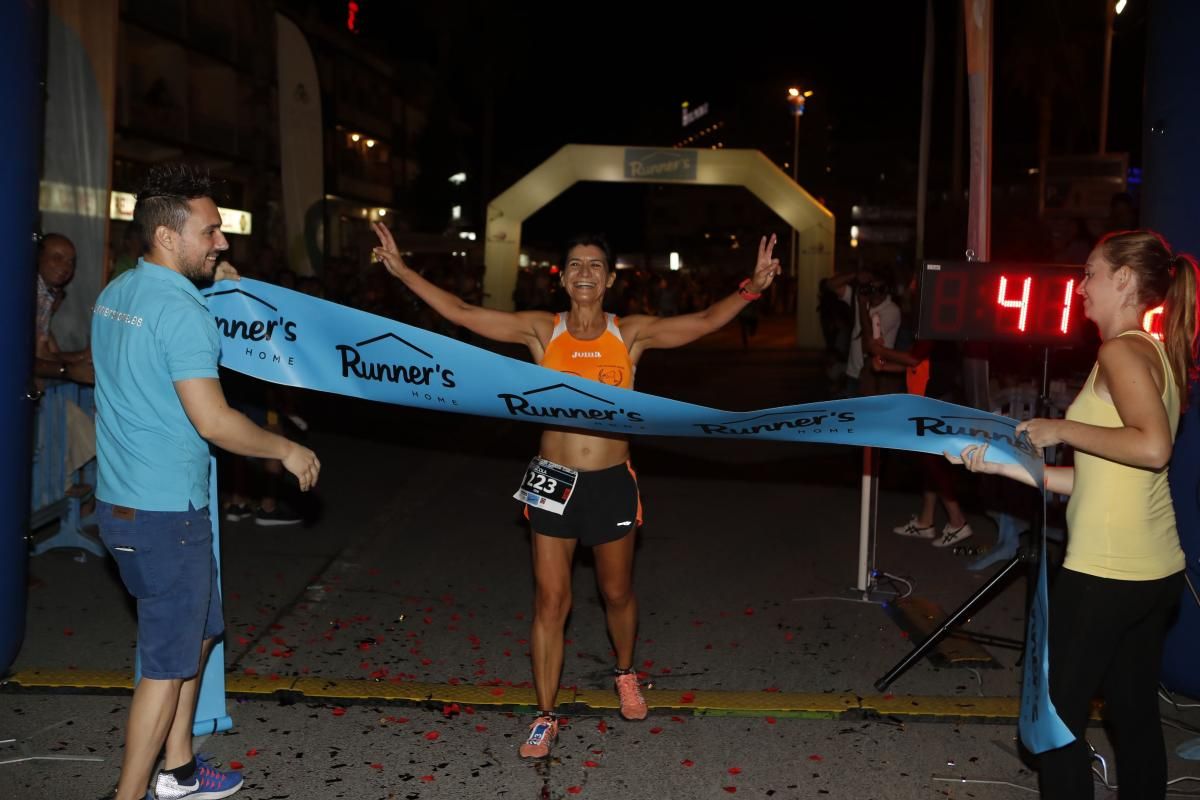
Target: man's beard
x,y
197,270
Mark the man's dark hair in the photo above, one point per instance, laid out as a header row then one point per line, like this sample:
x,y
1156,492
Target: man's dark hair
x,y
882,274
163,198
589,240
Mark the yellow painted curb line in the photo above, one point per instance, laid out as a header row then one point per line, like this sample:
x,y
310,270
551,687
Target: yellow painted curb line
x,y
700,702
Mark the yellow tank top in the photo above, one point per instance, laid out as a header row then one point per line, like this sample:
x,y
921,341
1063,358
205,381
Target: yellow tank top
x,y
604,359
1120,520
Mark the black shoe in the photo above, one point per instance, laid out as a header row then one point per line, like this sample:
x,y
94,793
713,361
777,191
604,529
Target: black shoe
x,y
237,513
281,515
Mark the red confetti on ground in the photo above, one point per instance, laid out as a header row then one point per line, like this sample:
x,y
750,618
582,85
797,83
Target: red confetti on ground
x,y
251,671
338,711
903,634
432,735
427,778
770,720
889,696
687,697
602,727
647,664
377,766
68,632
480,728
591,764
656,731
252,752
677,719
749,612
235,765
497,692
771,689
735,770
364,646
815,757
789,636
687,762
574,789
730,789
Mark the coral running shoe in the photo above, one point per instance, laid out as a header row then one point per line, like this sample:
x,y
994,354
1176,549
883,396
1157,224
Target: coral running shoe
x,y
633,705
541,735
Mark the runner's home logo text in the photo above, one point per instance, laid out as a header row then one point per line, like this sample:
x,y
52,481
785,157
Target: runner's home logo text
x,y
556,404
983,428
817,421
355,364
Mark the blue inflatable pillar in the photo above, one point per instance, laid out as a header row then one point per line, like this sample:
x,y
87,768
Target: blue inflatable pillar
x,y
22,51
1171,205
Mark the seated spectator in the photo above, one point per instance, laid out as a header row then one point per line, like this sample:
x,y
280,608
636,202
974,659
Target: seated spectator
x,y
56,269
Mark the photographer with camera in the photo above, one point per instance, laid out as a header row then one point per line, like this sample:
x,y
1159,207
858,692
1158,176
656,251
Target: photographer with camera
x,y
868,292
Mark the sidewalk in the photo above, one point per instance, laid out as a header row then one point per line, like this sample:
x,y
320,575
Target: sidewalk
x,y
414,583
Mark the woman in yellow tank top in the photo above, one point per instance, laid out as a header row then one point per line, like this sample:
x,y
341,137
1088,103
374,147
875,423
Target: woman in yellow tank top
x,y
602,509
1114,598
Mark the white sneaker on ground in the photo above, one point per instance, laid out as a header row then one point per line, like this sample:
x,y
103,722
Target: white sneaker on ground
x,y
912,529
951,536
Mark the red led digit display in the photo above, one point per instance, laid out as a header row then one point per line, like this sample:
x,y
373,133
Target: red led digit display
x,y
1152,322
994,302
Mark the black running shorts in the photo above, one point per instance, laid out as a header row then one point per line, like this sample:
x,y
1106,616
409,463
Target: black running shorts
x,y
605,506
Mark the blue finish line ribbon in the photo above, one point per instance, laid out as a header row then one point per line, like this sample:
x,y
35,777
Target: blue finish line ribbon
x,y
289,338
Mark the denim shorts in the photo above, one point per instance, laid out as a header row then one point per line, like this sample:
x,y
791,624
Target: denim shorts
x,y
166,562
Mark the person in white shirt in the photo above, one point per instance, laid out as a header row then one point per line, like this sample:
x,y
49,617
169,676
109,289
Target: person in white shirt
x,y
869,293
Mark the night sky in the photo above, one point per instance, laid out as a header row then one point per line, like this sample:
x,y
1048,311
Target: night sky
x,y
617,73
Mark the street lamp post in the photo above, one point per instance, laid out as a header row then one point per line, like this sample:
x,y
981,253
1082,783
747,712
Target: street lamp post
x,y
796,98
1111,9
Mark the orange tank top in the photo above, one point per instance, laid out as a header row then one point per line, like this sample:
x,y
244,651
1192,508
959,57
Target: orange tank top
x,y
604,359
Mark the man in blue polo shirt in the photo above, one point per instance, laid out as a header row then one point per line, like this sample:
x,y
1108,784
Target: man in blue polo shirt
x,y
159,406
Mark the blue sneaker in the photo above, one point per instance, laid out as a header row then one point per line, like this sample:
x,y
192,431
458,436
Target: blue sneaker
x,y
206,784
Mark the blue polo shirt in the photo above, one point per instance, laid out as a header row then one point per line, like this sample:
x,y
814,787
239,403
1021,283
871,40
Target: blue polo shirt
x,y
150,328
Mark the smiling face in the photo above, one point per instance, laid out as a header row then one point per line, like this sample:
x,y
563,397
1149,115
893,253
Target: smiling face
x,y
1102,289
587,274
201,242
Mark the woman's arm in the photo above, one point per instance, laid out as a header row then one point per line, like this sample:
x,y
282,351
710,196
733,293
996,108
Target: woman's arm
x,y
648,332
521,327
1144,438
1059,480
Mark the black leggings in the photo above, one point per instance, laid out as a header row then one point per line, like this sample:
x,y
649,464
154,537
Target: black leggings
x,y
1106,638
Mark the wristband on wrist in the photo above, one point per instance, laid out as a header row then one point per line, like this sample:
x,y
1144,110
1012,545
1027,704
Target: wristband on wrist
x,y
746,293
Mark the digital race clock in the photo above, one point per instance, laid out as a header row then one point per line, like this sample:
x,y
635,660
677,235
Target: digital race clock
x,y
996,302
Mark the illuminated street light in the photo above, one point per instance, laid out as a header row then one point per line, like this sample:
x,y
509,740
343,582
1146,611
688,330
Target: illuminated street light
x,y
1120,6
354,137
797,98
370,142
